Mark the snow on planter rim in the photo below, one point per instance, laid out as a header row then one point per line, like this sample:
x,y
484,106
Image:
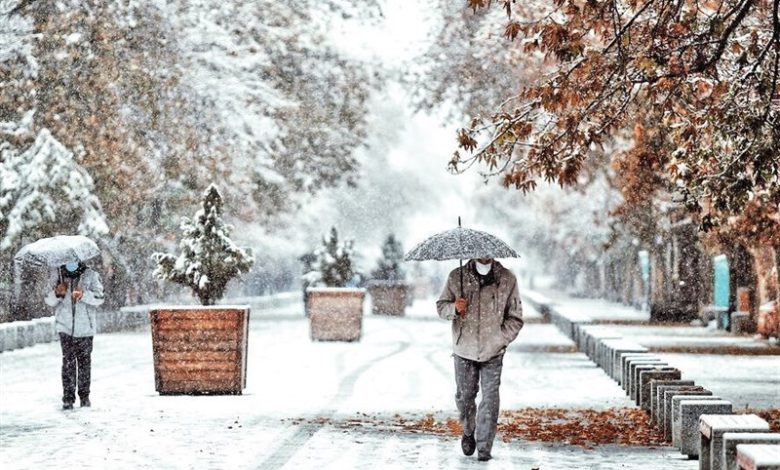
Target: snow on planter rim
x,y
198,307
346,290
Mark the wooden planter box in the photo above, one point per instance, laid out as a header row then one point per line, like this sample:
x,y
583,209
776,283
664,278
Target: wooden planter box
x,y
388,297
200,350
335,314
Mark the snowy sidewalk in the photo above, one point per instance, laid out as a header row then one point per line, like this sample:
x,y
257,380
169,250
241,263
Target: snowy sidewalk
x,y
400,366
742,369
635,324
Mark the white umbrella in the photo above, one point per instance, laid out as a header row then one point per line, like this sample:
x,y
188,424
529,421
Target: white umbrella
x,y
52,252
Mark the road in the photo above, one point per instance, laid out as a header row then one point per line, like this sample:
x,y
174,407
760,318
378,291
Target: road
x,y
401,366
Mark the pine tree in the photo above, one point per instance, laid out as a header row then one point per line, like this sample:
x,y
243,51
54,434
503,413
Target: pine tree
x,y
333,266
389,268
208,258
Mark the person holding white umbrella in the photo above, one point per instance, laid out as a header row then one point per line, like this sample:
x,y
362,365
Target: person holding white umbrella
x,y
74,290
482,302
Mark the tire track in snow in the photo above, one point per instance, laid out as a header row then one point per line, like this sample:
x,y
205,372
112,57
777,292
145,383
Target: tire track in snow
x,y
439,368
292,444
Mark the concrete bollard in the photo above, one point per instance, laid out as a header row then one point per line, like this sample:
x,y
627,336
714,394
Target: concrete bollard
x,y
635,370
6,343
627,358
25,333
107,322
3,346
657,400
732,439
41,331
51,329
21,334
758,456
12,337
124,320
646,380
667,415
686,428
615,349
713,427
627,371
30,333
591,336
674,413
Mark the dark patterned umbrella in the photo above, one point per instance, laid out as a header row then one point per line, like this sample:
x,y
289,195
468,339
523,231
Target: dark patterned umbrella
x,y
460,243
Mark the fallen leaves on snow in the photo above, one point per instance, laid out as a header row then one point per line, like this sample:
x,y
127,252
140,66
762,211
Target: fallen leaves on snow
x,y
579,427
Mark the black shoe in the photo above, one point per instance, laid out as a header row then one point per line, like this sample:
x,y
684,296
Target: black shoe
x,y
67,405
85,403
468,444
484,456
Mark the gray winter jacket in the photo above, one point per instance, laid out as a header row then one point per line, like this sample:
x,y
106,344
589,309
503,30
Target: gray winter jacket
x,y
494,315
84,323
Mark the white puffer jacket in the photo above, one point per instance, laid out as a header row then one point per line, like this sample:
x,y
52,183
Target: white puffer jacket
x,y
83,322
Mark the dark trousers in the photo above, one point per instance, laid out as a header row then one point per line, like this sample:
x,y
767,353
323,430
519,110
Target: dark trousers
x,y
480,422
76,366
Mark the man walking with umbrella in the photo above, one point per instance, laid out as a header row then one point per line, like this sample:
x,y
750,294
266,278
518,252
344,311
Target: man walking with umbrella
x,y
482,302
486,316
74,291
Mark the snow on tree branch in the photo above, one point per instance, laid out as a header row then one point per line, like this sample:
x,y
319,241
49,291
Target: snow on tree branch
x,y
43,189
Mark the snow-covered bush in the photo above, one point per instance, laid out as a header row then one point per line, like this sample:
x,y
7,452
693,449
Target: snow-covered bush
x,y
208,258
43,191
333,266
389,268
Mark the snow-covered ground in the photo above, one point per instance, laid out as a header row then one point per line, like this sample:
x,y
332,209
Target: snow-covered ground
x,y
600,310
400,366
692,338
633,324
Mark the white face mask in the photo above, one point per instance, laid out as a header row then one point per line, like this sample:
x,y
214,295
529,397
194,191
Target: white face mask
x,y
483,269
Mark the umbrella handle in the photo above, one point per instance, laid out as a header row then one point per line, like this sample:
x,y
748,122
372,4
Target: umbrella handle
x,y
461,269
461,278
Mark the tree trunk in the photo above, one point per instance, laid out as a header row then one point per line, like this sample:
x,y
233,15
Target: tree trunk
x,y
688,288
777,270
742,274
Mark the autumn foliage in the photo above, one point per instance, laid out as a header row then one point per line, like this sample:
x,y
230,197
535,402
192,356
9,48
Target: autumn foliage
x,y
702,74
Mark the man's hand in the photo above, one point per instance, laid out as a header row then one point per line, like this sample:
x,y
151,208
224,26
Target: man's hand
x,y
461,305
60,290
78,294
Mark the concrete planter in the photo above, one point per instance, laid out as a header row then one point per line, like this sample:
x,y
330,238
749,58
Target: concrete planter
x,y
200,350
388,297
335,314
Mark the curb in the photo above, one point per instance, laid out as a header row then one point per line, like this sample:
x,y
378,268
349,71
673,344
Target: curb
x,y
23,334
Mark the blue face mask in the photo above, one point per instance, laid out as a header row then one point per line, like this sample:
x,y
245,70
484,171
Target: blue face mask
x,y
71,267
